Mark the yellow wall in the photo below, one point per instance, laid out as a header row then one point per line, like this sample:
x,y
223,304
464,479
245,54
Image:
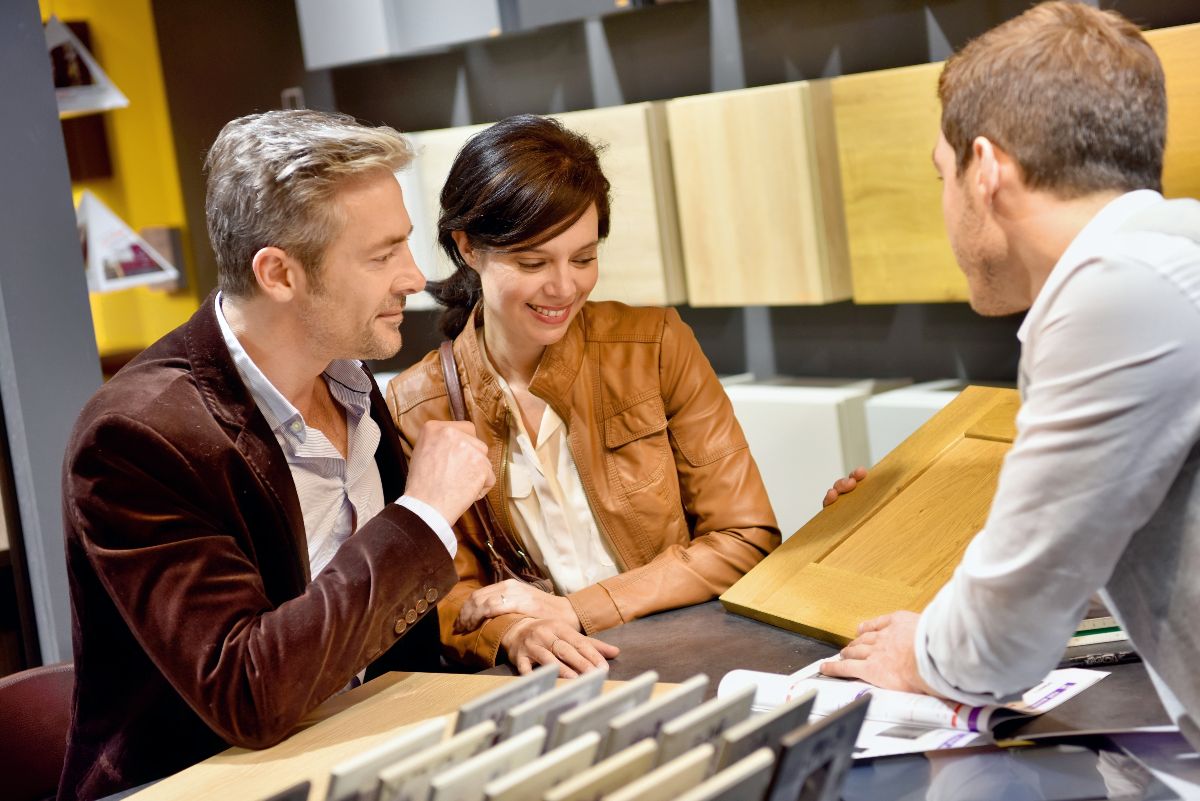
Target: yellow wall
x,y
144,188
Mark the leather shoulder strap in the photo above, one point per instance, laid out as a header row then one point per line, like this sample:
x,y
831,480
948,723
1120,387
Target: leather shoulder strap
x,y
458,406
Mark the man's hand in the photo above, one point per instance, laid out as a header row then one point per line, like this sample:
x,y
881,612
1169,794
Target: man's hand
x,y
512,596
449,469
844,485
882,654
532,642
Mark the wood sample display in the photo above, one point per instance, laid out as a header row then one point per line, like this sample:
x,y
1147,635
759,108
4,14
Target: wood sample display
x,y
760,203
894,541
899,251
1179,50
641,262
887,125
345,725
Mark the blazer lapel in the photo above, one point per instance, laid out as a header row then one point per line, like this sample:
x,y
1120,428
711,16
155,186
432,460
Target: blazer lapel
x,y
233,406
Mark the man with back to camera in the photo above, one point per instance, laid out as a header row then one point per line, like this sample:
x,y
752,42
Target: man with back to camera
x,y
211,488
1053,129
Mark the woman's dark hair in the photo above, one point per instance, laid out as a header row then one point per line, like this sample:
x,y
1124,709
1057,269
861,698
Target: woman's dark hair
x,y
521,182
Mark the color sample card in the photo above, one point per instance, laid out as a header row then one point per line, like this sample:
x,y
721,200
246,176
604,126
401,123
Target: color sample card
x,y
409,779
647,721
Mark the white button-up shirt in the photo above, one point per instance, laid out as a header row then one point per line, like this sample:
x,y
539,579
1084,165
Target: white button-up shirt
x,y
549,508
336,493
1109,424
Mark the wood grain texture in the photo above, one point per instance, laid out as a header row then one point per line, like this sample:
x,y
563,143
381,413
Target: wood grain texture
x,y
887,125
759,196
641,262
1179,50
899,252
894,541
342,727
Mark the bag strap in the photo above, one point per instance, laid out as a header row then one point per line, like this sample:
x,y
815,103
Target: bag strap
x,y
458,406
492,529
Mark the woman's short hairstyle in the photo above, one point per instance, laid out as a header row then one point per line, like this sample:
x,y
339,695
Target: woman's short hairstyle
x,y
516,184
271,177
1074,94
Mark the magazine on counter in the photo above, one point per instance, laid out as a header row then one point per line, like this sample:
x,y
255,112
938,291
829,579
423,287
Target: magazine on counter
x,y
902,723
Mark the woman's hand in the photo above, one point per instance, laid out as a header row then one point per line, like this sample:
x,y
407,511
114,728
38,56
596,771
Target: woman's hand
x,y
844,485
532,642
514,597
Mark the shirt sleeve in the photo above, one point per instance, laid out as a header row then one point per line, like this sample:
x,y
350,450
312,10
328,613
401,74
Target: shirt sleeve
x,y
1108,417
433,518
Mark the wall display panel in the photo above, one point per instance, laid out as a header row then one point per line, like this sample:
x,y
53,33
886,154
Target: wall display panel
x,y
899,251
760,202
641,261
1179,50
887,125
422,186
894,541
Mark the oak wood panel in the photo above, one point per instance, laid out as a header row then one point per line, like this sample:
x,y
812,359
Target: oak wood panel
x,y
641,262
1179,50
342,727
759,196
897,538
887,125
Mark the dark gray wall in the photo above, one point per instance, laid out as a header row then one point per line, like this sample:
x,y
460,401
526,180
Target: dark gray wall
x,y
48,360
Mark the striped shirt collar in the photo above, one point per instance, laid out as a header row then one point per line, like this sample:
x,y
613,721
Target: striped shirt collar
x,y
285,420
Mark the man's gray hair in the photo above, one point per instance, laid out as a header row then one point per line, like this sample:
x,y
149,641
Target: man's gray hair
x,y
271,177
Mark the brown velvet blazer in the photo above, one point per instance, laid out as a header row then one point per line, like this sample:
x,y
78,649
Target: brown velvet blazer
x,y
196,623
660,454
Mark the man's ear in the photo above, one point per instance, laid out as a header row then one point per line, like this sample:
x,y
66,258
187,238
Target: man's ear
x,y
279,275
469,254
991,167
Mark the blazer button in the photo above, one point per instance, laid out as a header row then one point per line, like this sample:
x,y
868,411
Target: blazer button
x,y
421,605
431,595
401,626
411,616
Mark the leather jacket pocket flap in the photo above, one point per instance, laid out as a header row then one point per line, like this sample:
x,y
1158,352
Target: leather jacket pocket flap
x,y
639,420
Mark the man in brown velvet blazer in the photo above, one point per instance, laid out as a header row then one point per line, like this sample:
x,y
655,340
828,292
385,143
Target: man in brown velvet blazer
x,y
236,550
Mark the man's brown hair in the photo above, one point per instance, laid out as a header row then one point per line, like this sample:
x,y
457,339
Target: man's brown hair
x,y
1074,94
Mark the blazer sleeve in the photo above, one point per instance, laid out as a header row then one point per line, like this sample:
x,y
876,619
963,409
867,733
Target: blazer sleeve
x,y
724,499
169,554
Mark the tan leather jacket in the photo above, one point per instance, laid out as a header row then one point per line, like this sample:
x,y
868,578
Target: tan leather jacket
x,y
663,461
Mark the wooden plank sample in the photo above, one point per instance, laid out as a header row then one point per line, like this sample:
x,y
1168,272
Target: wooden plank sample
x,y
343,726
611,774
641,262
899,251
667,781
1179,50
760,203
894,541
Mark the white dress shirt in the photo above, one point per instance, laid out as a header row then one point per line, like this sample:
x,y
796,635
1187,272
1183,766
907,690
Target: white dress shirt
x,y
549,508
336,493
1099,489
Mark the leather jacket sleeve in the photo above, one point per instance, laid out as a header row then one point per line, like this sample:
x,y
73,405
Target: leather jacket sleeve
x,y
725,502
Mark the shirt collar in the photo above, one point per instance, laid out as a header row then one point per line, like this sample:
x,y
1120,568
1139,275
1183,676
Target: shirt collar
x,y
280,413
1107,220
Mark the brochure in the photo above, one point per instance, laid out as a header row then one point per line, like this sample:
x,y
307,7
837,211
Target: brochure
x,y
900,722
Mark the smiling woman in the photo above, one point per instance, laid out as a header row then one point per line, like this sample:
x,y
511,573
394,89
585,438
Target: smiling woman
x,y
624,481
